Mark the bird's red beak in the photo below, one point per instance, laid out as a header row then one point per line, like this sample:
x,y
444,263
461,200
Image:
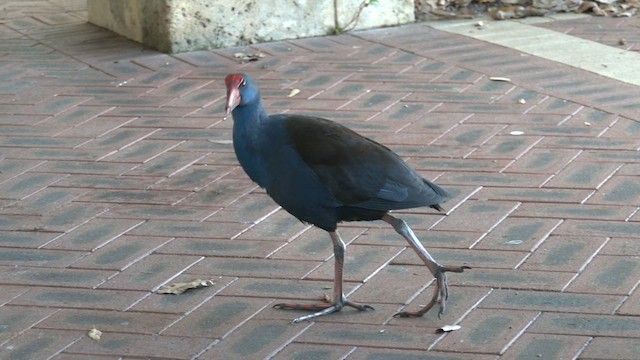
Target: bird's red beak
x,y
233,83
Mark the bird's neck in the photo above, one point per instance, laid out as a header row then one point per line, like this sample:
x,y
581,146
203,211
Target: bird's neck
x,y
248,121
250,114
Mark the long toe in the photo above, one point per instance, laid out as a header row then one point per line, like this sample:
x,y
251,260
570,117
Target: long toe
x,y
326,302
421,312
409,314
304,307
321,309
329,310
457,269
443,287
360,307
440,293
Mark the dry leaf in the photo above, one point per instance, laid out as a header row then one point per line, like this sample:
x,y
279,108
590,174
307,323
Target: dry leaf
x,y
515,12
625,14
544,4
443,13
248,57
94,334
294,92
499,78
449,328
500,14
593,7
180,287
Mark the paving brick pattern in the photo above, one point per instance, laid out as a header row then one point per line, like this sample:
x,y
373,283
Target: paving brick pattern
x,y
117,176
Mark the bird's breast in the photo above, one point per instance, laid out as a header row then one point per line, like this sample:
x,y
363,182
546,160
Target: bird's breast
x,y
250,155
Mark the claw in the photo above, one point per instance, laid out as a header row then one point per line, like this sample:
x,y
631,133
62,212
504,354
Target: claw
x,y
440,293
327,306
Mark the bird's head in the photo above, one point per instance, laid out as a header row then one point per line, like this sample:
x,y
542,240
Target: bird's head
x,y
241,90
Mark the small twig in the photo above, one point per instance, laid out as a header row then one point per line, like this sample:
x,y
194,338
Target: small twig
x,y
354,21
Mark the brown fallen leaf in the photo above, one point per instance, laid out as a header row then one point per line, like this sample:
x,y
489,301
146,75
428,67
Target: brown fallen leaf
x,y
244,58
94,334
180,287
515,12
593,7
443,13
626,13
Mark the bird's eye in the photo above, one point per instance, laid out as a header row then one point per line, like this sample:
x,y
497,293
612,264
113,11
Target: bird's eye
x,y
243,84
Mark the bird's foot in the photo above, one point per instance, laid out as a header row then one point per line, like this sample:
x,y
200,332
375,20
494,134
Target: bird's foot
x,y
440,293
324,308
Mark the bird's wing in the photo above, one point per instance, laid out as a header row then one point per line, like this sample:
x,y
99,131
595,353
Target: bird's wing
x,y
358,171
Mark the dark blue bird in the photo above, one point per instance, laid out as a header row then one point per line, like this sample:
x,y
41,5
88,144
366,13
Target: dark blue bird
x,y
324,173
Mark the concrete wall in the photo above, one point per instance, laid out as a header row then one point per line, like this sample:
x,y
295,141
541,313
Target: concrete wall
x,y
184,25
379,13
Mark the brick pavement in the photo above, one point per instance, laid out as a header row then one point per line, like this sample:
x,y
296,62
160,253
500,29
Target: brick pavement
x,y
117,176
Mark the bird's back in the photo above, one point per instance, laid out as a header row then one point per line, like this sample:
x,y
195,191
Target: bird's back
x,y
320,166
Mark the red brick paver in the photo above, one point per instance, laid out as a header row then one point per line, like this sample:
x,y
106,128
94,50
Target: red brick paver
x,y
117,176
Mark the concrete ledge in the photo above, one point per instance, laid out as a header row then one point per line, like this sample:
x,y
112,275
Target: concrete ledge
x,y
185,25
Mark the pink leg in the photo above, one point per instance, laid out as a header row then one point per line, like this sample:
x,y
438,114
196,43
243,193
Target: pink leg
x,y
339,300
441,292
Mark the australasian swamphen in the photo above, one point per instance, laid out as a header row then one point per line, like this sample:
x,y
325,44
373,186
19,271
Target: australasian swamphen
x,y
324,173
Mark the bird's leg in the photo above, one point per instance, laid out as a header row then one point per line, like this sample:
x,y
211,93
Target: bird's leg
x,y
339,300
441,292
